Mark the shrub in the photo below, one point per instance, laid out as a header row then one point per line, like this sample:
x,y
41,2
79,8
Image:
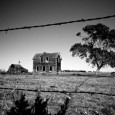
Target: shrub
x,y
20,107
2,72
40,106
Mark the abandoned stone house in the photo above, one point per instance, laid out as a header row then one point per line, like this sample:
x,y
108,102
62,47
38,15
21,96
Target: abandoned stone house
x,y
47,63
16,69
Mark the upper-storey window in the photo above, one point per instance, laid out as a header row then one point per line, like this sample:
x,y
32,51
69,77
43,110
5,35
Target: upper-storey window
x,y
42,59
47,59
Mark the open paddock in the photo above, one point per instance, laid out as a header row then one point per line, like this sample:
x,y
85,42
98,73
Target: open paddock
x,y
86,91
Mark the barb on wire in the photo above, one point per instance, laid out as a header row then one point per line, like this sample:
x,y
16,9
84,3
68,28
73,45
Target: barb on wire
x,y
55,24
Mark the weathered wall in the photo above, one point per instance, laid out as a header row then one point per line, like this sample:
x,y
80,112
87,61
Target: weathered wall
x,y
53,62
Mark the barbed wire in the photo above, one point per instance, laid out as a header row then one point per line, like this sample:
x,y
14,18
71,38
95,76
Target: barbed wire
x,y
63,91
55,24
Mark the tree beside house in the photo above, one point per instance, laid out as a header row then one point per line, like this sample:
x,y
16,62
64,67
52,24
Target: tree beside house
x,y
97,46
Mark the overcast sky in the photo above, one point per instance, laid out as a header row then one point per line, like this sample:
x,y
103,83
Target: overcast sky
x,y
24,44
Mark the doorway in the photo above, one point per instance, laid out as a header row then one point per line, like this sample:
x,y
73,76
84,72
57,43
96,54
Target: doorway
x,y
43,68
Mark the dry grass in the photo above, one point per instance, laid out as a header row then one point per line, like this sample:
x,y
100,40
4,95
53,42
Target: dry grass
x,y
80,102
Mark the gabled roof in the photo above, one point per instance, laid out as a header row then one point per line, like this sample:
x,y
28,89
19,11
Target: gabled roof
x,y
53,55
16,65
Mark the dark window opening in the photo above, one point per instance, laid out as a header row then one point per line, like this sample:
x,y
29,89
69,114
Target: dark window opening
x,y
50,68
47,59
37,68
43,68
42,60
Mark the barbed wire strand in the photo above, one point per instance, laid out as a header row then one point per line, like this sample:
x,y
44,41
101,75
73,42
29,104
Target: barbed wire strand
x,y
55,24
63,91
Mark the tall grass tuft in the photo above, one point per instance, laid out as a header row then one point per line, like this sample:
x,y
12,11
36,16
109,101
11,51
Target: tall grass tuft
x,y
64,107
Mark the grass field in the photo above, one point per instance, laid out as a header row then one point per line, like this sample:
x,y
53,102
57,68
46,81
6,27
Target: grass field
x,y
82,101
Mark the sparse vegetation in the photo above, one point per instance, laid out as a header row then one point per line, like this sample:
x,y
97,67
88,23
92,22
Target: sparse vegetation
x,y
40,107
22,107
82,103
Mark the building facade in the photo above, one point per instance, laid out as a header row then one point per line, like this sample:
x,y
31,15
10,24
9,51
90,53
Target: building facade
x,y
47,63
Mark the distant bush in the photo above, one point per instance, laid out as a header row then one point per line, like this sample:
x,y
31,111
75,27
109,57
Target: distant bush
x,y
22,107
2,72
30,73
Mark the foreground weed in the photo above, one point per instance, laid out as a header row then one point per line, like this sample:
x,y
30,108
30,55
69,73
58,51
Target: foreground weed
x,y
20,107
40,107
64,107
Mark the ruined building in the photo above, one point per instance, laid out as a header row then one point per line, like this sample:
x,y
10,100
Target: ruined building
x,y
47,63
16,69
